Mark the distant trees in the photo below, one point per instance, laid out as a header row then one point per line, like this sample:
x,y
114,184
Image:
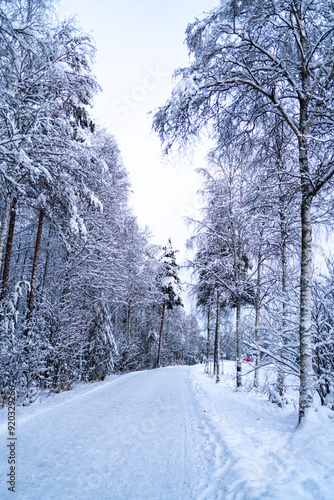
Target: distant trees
x,y
251,62
223,239
323,335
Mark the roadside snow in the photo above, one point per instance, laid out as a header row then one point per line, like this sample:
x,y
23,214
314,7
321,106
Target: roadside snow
x,y
170,433
267,457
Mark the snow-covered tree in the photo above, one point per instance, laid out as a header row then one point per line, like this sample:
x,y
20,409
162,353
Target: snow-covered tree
x,y
224,240
255,59
323,338
169,283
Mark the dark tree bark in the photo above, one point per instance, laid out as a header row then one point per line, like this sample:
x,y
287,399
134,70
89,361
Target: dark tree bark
x,y
46,263
208,343
8,253
160,336
4,227
31,296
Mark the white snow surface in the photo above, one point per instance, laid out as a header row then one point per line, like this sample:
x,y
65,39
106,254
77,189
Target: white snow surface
x,y
170,433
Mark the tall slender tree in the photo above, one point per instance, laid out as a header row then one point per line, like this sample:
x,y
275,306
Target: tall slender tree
x,y
170,288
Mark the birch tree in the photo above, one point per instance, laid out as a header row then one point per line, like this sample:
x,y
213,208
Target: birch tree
x,y
252,59
323,321
224,239
273,203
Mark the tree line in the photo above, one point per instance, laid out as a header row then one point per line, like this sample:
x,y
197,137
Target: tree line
x,y
83,291
260,87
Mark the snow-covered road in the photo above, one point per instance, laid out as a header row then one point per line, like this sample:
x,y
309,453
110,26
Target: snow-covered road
x,y
169,434
140,436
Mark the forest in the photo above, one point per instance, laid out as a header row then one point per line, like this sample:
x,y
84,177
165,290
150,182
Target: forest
x,y
260,86
83,291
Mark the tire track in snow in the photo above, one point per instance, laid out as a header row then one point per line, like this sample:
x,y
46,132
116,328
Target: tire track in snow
x,y
220,462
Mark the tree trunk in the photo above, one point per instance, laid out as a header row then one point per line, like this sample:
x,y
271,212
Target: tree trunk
x,y
306,368
45,272
238,331
281,376
31,296
207,369
4,226
66,282
8,253
129,323
257,319
24,262
216,351
160,336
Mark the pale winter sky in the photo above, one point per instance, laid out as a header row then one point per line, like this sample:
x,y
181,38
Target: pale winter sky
x,y
139,45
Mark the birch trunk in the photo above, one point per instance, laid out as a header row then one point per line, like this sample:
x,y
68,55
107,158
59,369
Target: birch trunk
x,y
284,263
31,297
8,253
306,368
238,331
4,227
160,336
216,351
257,320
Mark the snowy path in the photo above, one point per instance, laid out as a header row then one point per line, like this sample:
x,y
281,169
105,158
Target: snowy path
x,y
137,437
167,434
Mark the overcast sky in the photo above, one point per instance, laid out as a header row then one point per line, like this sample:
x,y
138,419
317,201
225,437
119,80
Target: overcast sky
x,y
139,45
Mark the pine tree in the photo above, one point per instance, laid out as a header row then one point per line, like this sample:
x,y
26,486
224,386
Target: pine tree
x,y
169,282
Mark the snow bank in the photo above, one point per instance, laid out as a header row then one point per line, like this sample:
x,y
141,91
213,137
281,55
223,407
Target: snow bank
x,y
268,456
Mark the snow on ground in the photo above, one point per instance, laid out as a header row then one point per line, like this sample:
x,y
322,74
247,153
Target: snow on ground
x,y
170,433
268,458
